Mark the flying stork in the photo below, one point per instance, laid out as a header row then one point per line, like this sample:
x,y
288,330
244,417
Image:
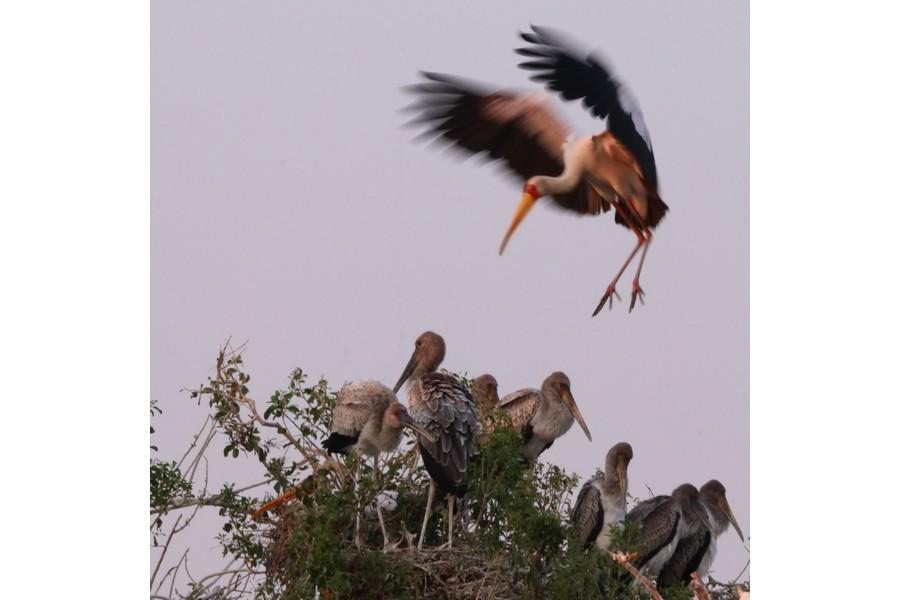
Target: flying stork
x,y
587,176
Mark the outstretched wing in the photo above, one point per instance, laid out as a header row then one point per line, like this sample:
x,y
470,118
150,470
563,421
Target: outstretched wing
x,y
587,514
520,406
519,130
560,68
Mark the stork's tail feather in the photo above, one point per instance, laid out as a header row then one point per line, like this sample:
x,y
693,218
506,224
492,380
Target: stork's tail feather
x,y
656,209
289,495
337,443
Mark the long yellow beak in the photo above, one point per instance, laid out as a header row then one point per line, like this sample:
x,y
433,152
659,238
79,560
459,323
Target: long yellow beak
x,y
411,424
732,519
569,401
622,474
525,205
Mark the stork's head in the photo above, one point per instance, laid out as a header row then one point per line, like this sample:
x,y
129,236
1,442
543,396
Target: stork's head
x,y
427,356
617,460
557,386
687,496
484,388
534,189
397,416
713,495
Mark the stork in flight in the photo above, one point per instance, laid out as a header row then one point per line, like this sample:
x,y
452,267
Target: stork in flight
x,y
543,415
444,409
589,175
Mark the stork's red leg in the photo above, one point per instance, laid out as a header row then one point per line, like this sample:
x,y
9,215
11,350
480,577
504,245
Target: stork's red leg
x,y
611,289
636,291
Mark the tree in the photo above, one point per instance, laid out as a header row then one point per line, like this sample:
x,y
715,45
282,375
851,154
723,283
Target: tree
x,y
513,539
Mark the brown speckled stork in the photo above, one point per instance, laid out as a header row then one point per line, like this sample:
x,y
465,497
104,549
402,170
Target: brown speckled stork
x,y
663,522
543,415
367,420
586,176
696,553
601,501
443,407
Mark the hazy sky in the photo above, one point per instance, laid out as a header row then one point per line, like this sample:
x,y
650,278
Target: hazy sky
x,y
290,209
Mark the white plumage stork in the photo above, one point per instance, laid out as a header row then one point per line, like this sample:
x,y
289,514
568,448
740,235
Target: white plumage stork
x,y
444,409
697,552
663,522
367,420
602,499
587,176
543,415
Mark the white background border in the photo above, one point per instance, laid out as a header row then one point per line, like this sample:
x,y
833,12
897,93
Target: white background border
x,y
74,190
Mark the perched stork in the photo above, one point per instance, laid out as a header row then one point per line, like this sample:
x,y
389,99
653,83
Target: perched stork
x,y
587,175
601,501
484,390
543,415
367,420
441,406
697,552
665,522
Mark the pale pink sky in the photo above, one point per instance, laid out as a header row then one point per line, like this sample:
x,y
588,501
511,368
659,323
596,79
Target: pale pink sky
x,y
289,209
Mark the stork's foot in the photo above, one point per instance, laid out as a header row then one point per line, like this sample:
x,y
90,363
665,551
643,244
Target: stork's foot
x,y
610,292
636,293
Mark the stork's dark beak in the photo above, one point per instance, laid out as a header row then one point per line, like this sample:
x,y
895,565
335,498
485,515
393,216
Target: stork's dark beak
x,y
569,401
726,508
408,421
525,205
407,372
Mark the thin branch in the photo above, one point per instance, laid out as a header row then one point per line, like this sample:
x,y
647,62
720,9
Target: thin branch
x,y
164,550
625,560
214,500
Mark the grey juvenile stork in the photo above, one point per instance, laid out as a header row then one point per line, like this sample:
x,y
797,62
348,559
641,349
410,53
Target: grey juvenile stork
x,y
601,501
587,175
367,420
697,552
441,406
664,521
543,415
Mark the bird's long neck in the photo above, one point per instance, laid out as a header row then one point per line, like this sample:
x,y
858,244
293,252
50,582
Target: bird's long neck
x,y
717,517
571,175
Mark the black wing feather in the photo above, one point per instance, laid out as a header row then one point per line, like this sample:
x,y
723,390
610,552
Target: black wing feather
x,y
451,110
589,79
337,443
